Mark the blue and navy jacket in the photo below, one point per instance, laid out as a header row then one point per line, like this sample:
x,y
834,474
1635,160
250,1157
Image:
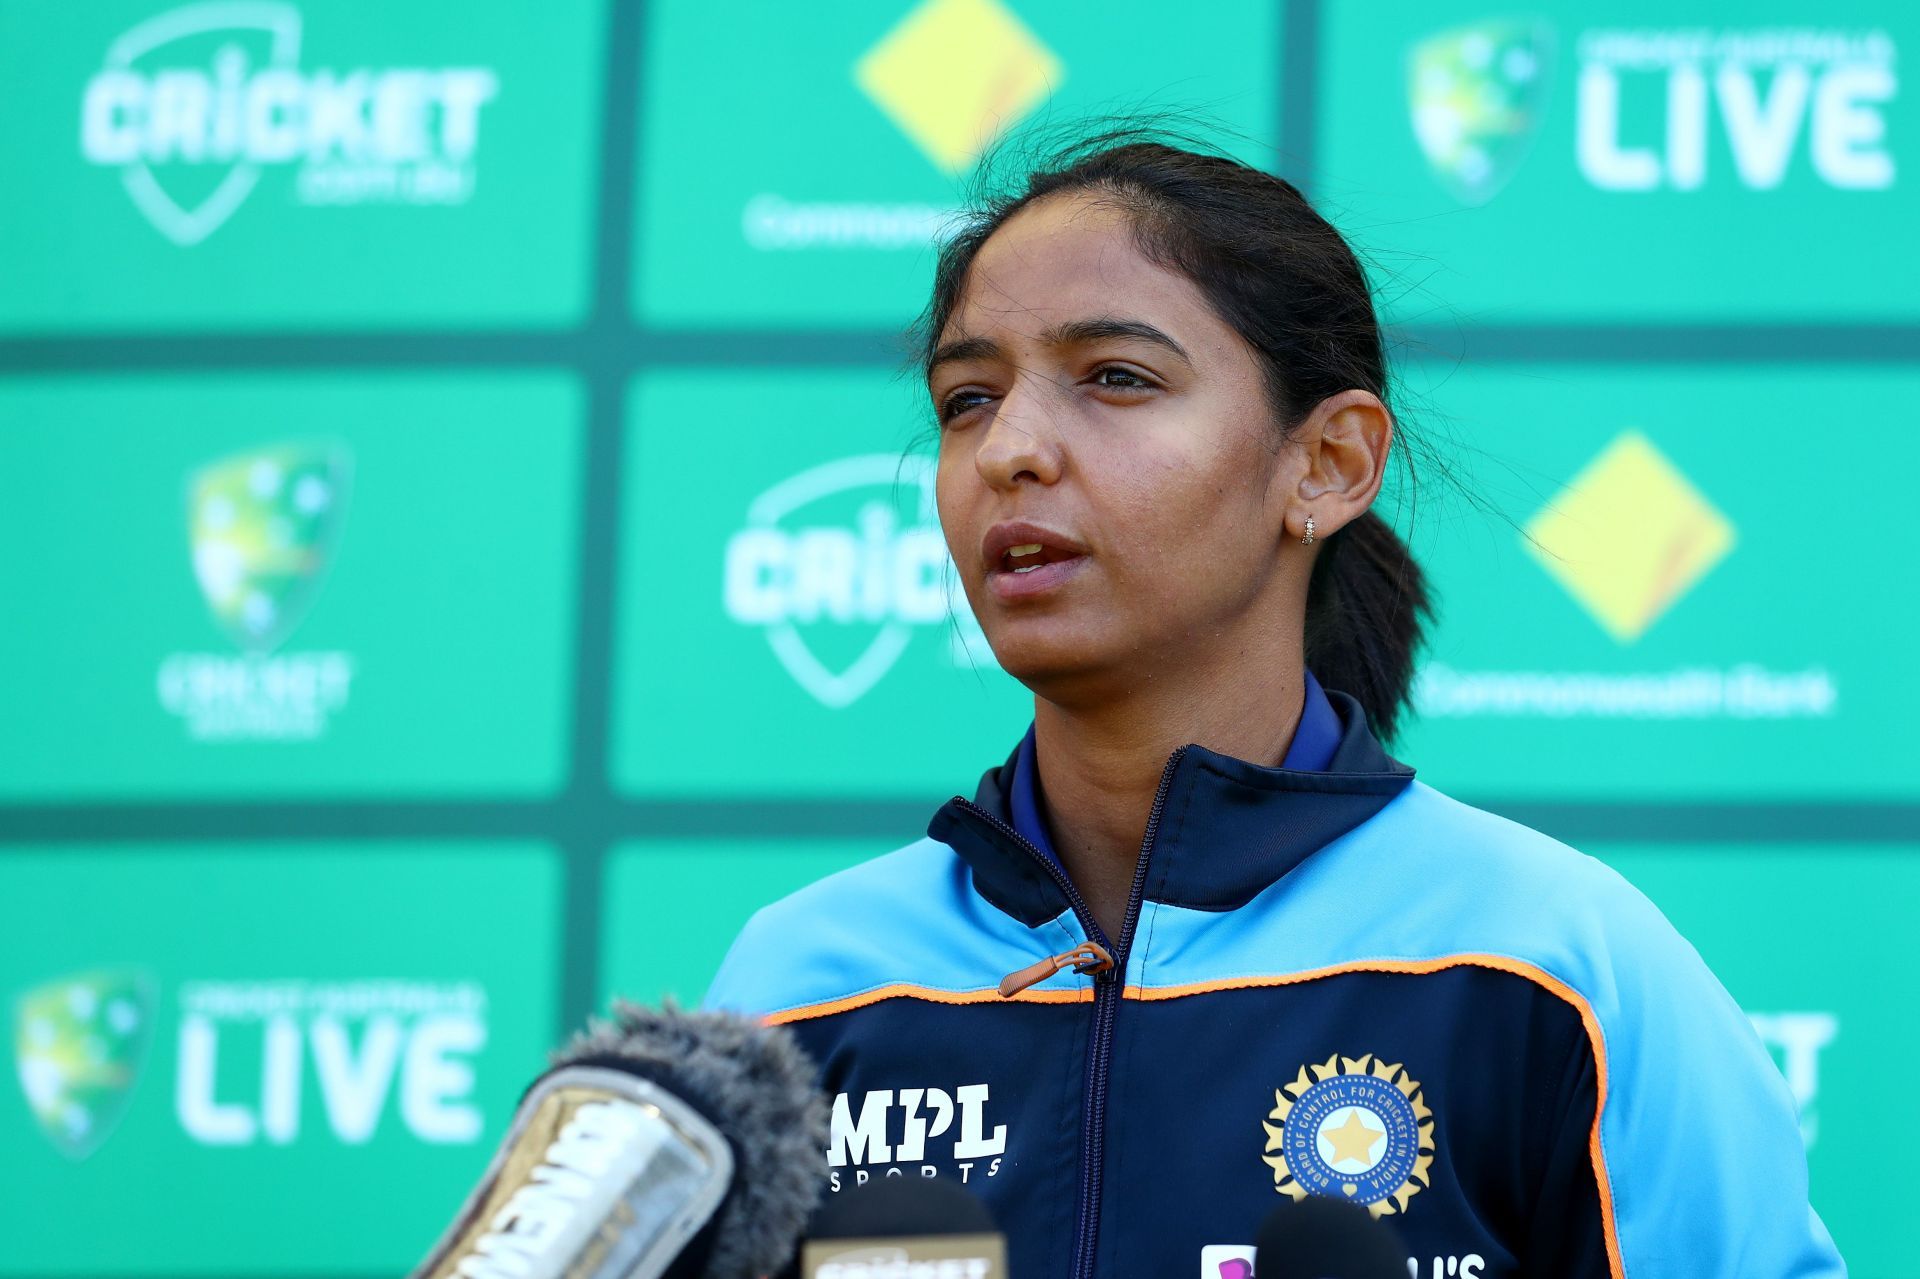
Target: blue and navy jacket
x,y
1337,982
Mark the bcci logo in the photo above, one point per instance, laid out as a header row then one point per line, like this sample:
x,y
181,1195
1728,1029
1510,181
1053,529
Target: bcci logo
x,y
194,105
1476,95
840,565
262,526
79,1044
1357,1130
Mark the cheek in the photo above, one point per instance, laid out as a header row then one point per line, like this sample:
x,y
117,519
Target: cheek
x,y
955,486
1183,512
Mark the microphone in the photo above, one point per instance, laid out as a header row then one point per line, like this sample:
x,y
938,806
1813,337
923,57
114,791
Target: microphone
x,y
904,1228
1321,1238
661,1145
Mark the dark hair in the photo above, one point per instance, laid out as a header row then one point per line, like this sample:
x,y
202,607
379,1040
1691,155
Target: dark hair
x,y
1280,274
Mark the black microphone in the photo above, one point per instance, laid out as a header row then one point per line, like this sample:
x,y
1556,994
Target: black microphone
x,y
904,1228
1321,1238
662,1145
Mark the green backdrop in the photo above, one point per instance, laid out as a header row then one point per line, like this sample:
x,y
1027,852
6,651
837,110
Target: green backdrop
x,y
466,549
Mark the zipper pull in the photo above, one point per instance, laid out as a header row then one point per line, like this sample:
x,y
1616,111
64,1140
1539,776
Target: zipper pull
x,y
1087,957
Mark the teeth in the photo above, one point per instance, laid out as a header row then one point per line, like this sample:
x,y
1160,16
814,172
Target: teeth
x,y
1031,548
1028,569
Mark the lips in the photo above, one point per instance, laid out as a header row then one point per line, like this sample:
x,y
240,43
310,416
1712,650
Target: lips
x,y
1016,544
1025,559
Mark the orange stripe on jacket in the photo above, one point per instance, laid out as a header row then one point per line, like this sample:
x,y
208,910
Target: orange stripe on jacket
x,y
906,990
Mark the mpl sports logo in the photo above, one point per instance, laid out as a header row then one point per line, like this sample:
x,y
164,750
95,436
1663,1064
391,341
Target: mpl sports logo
x,y
841,566
886,1133
262,527
370,1049
196,105
1651,103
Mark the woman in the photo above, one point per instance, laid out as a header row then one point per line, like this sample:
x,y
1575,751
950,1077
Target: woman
x,y
1200,941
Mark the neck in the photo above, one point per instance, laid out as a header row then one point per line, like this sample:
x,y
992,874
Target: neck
x,y
1101,765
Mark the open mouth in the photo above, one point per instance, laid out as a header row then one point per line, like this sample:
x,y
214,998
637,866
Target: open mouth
x,y
1028,571
1029,556
1025,560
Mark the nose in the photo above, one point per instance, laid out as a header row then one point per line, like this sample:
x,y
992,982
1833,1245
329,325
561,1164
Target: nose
x,y
1022,440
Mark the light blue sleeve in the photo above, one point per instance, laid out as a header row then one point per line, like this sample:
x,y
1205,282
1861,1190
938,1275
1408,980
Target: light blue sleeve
x,y
1699,1159
908,919
1698,1134
733,988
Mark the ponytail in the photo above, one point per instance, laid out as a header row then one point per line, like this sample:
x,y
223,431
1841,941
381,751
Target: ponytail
x,y
1367,610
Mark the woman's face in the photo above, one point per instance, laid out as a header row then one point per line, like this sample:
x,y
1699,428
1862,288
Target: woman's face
x,y
1112,484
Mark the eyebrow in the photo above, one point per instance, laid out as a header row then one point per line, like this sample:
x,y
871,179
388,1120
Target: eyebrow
x,y
1067,333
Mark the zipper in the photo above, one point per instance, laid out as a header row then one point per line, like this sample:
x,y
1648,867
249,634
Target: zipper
x,y
1107,981
1087,957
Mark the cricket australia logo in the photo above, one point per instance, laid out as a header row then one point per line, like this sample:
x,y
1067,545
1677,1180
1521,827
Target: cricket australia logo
x,y
195,104
1357,1129
262,527
840,565
1476,96
79,1044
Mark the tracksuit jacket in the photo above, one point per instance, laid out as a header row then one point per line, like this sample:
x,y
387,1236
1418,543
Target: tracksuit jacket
x,y
1336,982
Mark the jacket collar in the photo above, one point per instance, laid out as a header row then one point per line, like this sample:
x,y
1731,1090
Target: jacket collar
x,y
1228,828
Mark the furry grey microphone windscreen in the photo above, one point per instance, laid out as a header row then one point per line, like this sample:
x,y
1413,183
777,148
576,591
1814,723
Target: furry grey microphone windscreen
x,y
756,1085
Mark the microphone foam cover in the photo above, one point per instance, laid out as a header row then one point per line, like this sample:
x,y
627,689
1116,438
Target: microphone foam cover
x,y
756,1085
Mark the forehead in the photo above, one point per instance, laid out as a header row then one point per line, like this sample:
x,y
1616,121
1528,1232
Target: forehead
x,y
1071,257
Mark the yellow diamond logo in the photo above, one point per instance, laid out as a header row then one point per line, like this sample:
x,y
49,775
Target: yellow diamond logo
x,y
1629,537
955,73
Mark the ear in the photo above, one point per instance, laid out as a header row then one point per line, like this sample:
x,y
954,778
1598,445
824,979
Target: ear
x,y
1346,439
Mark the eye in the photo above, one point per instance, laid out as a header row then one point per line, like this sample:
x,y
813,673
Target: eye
x,y
1118,377
960,402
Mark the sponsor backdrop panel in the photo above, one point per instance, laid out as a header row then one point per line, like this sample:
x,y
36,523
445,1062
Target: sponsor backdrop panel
x,y
1638,160
671,907
1809,940
268,584
790,623
803,186
282,165
224,1054
1660,600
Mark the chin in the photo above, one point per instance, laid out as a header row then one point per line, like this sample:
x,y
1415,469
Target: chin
x,y
1054,664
